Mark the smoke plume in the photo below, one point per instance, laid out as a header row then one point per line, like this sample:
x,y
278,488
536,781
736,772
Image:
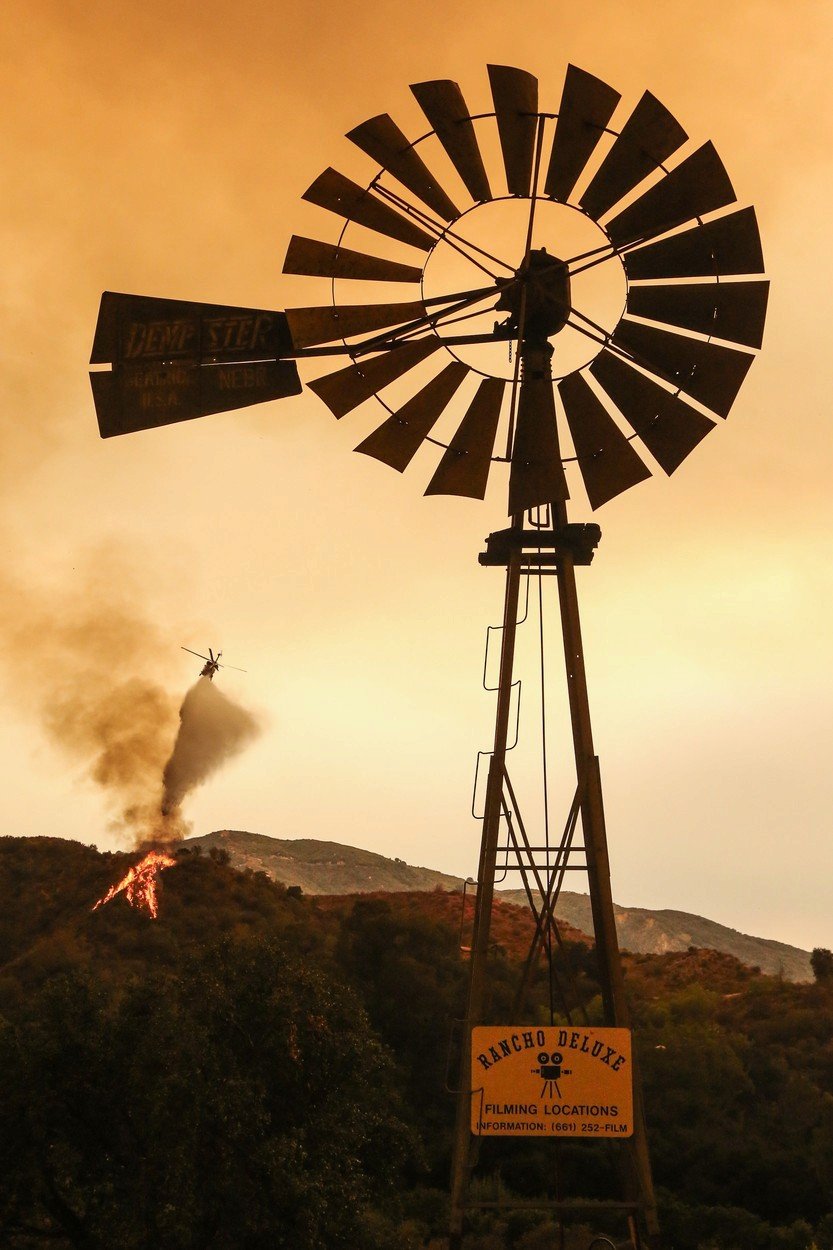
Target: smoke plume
x,y
212,729
97,675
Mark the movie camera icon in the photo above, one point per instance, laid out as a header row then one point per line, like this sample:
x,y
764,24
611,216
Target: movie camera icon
x,y
551,1072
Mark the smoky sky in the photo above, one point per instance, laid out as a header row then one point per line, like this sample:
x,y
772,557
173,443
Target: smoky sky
x,y
81,658
164,150
84,661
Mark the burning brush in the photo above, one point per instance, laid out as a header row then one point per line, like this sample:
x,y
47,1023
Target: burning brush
x,y
212,729
139,883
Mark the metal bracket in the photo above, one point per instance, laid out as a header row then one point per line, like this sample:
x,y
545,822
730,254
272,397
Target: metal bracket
x,y
543,547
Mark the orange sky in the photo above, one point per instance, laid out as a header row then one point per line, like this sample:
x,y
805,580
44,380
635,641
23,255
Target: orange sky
x,y
162,148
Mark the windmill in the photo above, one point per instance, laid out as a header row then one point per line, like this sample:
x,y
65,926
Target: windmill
x,y
500,351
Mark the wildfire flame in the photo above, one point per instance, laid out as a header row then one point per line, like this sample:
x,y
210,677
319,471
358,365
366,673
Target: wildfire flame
x,y
139,883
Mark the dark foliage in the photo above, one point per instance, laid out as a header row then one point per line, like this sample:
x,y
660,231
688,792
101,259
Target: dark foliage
x,y
821,961
241,1101
260,1069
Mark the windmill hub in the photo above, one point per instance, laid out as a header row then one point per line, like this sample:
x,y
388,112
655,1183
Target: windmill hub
x,y
500,228
538,301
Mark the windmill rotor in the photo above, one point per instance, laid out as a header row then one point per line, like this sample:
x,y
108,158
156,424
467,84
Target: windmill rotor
x,y
654,376
656,373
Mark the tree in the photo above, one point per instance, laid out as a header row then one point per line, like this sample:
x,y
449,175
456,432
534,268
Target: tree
x,y
240,1103
821,961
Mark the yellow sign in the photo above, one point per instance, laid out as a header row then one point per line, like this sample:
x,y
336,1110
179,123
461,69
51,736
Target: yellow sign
x,y
551,1082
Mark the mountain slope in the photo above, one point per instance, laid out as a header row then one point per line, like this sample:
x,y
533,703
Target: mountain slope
x,y
648,932
331,868
323,867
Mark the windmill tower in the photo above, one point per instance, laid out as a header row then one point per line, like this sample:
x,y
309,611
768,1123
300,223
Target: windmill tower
x,y
504,353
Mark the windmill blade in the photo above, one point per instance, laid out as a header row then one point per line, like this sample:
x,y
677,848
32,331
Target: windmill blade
x,y
398,439
309,326
515,95
607,461
331,190
536,476
345,389
464,468
136,397
587,105
668,426
648,137
698,185
144,328
448,114
709,372
381,138
727,310
729,245
326,260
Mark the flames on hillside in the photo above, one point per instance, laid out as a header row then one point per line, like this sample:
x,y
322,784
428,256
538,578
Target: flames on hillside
x,y
86,659
212,729
139,883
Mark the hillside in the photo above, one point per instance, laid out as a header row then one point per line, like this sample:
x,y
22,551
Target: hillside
x,y
320,867
331,868
169,1065
648,932
511,927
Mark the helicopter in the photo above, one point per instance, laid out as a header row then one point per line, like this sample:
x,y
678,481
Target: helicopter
x,y
212,663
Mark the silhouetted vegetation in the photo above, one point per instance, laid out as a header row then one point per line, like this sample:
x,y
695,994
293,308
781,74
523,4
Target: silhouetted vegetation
x,y
821,961
263,1069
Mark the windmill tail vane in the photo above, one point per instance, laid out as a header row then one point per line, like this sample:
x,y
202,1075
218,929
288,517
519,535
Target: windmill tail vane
x,y
624,349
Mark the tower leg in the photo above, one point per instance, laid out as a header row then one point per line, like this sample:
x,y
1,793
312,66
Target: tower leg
x,y
461,1153
598,864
